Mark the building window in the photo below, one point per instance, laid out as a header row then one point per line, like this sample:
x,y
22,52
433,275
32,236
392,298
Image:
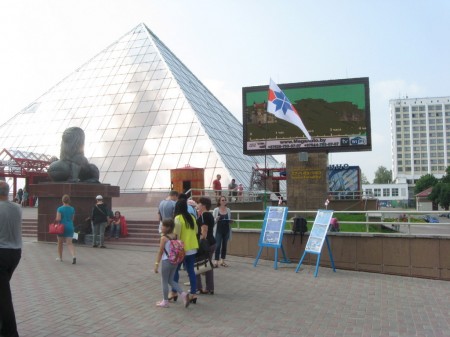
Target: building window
x,y
386,192
395,192
377,192
397,109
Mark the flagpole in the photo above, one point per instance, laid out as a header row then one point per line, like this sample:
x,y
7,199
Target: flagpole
x,y
265,161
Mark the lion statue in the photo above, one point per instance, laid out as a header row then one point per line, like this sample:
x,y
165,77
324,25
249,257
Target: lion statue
x,y
73,165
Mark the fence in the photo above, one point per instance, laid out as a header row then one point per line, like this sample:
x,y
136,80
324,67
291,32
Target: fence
x,y
403,222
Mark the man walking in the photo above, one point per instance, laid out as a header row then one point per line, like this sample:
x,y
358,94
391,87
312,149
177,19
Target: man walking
x,y
166,207
10,254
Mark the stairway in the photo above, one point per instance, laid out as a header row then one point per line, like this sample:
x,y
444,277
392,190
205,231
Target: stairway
x,y
141,233
29,228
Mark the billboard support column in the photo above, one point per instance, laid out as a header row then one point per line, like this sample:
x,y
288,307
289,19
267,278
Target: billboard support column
x,y
307,181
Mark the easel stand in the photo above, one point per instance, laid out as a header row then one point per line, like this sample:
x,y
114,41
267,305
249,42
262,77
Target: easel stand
x,y
318,258
275,262
272,233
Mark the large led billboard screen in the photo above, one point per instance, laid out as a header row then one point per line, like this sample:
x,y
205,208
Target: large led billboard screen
x,y
336,114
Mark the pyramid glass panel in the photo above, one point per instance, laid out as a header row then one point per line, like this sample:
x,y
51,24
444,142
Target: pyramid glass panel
x,y
143,113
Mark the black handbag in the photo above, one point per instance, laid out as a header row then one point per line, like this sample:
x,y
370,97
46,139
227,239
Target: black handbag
x,y
203,248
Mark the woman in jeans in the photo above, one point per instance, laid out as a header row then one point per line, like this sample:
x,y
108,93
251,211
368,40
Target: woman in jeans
x,y
186,231
222,218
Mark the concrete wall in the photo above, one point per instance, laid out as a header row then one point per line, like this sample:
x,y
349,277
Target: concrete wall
x,y
416,256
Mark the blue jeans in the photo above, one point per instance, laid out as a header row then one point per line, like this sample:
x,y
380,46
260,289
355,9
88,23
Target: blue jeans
x,y
221,245
189,261
98,231
115,231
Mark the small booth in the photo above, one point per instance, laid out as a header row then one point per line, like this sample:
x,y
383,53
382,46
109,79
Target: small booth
x,y
189,180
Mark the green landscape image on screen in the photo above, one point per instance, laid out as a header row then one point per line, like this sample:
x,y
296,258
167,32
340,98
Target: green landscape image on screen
x,y
326,111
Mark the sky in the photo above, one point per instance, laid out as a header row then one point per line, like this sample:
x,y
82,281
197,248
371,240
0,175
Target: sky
x,y
402,46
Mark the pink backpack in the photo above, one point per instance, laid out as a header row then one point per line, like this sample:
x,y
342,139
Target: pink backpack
x,y
175,255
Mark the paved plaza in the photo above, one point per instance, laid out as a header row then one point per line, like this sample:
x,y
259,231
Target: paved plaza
x,y
112,292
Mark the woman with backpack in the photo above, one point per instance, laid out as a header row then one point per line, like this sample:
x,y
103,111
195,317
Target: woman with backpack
x,y
168,269
186,230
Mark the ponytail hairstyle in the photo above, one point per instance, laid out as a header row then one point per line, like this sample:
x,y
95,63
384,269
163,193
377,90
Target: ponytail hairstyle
x,y
181,209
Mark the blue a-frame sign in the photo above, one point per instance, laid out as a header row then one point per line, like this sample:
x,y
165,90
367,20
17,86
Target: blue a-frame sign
x,y
317,237
272,232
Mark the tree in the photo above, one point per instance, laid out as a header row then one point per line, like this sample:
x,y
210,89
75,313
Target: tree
x,y
446,177
364,179
382,176
441,195
425,181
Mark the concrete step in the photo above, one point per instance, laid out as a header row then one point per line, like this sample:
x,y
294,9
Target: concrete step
x,y
141,233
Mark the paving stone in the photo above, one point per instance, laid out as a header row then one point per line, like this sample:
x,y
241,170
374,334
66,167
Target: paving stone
x,y
112,292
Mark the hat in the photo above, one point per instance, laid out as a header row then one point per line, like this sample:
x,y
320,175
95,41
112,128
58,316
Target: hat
x,y
99,197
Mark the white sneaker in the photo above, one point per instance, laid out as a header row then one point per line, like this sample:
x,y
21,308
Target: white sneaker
x,y
58,259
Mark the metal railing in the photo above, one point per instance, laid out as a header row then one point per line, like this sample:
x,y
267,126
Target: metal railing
x,y
233,196
400,221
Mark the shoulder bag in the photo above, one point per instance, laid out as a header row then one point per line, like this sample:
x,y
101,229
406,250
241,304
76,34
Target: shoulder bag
x,y
56,228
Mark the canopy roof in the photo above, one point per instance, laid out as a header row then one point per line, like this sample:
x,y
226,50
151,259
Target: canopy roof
x,y
22,164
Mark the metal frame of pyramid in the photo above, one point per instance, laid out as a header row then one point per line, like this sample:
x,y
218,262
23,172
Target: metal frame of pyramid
x,y
143,113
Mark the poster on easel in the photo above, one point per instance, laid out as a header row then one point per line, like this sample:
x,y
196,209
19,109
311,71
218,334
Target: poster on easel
x,y
273,227
319,231
317,237
272,232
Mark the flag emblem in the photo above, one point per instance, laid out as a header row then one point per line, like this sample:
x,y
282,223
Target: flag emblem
x,y
281,107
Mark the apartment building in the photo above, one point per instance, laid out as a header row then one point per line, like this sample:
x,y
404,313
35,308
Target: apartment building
x,y
420,130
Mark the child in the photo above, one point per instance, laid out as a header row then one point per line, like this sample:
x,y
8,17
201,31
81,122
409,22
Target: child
x,y
168,269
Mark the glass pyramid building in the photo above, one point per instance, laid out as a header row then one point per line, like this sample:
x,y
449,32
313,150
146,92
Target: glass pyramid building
x,y
143,113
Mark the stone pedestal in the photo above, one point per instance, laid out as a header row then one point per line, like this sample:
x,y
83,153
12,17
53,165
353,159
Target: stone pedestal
x,y
82,197
307,181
